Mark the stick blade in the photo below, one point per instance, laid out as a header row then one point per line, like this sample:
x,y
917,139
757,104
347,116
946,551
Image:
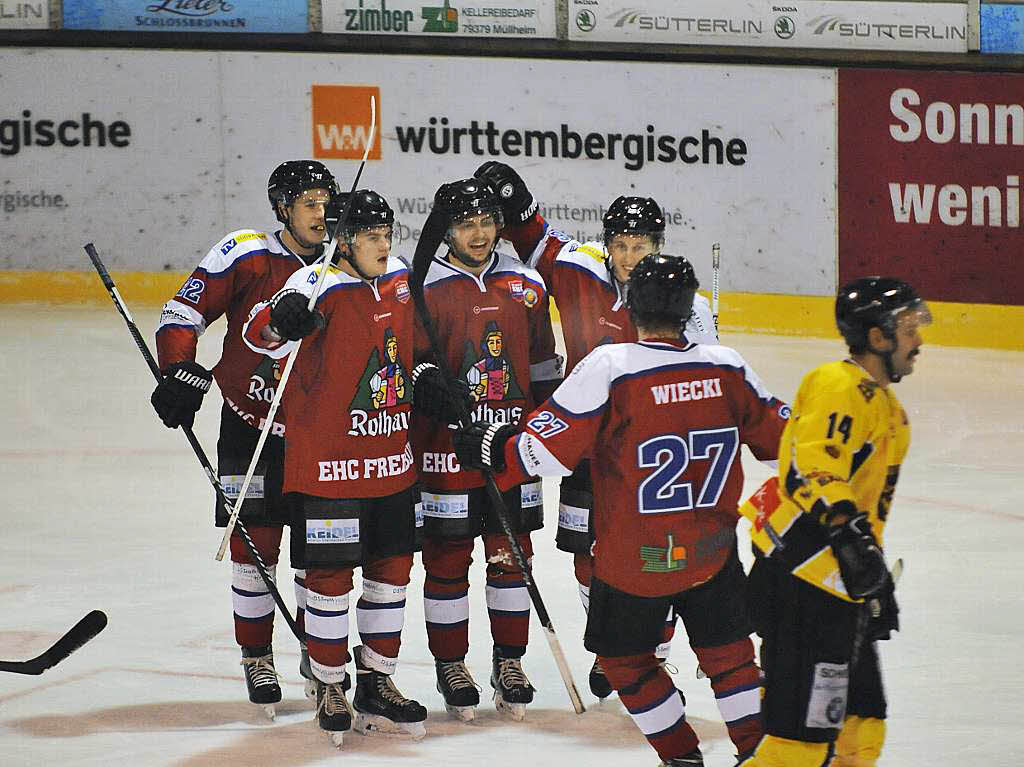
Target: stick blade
x,y
91,625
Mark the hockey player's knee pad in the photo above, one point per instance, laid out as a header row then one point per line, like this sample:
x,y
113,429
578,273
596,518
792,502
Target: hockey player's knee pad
x,y
448,559
725,659
583,565
391,570
629,671
331,582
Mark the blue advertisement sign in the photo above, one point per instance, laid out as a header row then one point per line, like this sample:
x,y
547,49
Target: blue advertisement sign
x,y
1002,28
267,16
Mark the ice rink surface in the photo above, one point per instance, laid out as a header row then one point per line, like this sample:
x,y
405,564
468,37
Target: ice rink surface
x,y
104,508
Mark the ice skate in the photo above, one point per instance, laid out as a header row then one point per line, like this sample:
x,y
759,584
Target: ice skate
x,y
599,684
381,709
261,678
333,712
461,693
692,759
512,690
307,673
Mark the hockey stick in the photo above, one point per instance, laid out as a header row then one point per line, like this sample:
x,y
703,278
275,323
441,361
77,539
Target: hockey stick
x,y
91,625
279,391
430,240
211,475
716,257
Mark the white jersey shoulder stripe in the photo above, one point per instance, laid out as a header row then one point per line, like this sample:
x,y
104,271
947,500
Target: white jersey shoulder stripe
x,y
237,245
507,264
587,256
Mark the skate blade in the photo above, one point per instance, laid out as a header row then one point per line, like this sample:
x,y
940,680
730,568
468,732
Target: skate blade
x,y
462,713
268,710
515,711
370,724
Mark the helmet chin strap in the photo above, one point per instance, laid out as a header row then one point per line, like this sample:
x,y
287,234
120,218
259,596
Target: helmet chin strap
x,y
887,361
349,257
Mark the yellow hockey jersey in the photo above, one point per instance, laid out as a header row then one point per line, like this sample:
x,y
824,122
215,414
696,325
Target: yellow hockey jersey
x,y
845,440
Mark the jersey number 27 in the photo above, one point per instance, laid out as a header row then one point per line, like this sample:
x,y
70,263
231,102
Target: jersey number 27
x,y
670,454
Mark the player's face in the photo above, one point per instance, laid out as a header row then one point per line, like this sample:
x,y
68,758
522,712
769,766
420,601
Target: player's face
x,y
306,217
371,249
472,239
625,252
908,340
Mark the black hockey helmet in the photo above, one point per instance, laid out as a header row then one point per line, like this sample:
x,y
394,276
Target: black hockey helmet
x,y
634,215
660,290
874,302
459,200
290,179
368,210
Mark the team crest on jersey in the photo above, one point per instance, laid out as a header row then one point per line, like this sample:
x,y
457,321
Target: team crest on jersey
x,y
868,389
263,380
663,559
530,297
402,291
490,374
384,382
383,385
515,287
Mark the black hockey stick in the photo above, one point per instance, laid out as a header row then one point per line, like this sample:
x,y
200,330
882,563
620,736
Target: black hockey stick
x,y
211,475
91,625
430,240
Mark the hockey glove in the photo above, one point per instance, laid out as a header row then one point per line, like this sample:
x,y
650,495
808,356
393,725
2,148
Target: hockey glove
x,y
861,564
180,394
885,613
290,318
443,401
482,445
517,204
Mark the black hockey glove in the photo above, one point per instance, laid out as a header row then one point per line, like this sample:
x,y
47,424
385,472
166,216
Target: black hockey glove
x,y
290,318
861,564
517,204
180,394
885,613
445,402
482,445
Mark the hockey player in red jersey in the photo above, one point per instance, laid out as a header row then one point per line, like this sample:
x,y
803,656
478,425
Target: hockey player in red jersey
x,y
588,282
662,421
349,468
491,316
245,267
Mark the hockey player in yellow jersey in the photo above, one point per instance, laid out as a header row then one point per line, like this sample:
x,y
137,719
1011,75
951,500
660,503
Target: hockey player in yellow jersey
x,y
820,590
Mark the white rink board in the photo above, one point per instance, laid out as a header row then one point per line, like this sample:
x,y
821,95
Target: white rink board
x,y
862,24
774,212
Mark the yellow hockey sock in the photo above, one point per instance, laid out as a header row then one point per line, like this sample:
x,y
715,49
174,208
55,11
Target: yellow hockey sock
x,y
860,742
773,751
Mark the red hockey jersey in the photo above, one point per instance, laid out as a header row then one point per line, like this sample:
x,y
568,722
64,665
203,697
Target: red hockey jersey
x,y
348,399
590,301
662,423
495,330
242,269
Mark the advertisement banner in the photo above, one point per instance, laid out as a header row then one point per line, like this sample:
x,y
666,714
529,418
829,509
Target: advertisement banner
x,y
452,18
1002,28
889,26
29,14
930,165
727,159
267,16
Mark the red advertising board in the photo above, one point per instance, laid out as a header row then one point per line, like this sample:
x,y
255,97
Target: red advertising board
x,y
930,168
